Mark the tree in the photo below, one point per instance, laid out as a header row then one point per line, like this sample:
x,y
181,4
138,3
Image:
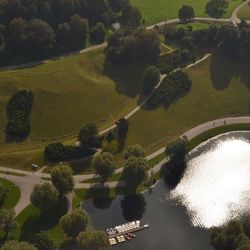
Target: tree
x,y
44,196
216,8
40,37
88,135
131,16
79,30
104,165
110,146
134,150
63,36
177,150
75,222
97,34
15,245
54,151
93,240
135,171
122,127
7,222
43,242
186,13
151,78
62,179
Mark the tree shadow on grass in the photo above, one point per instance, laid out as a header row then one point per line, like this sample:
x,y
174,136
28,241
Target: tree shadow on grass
x,y
127,77
42,222
224,69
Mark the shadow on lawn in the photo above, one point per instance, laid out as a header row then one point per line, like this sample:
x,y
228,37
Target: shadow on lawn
x,y
41,222
127,77
223,69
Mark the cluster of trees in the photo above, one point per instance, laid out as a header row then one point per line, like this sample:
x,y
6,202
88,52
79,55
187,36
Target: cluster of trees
x,y
174,86
18,112
38,28
128,45
233,236
75,225
46,196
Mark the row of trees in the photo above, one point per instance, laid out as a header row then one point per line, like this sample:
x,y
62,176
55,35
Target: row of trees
x,y
18,112
174,86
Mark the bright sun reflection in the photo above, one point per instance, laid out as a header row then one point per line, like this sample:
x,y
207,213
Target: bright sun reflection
x,y
215,187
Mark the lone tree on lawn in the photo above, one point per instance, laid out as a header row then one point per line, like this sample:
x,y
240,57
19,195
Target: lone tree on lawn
x,y
75,222
186,13
88,136
62,179
151,78
135,171
104,165
93,240
44,196
216,8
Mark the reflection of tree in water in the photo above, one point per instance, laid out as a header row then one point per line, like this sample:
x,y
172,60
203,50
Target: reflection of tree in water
x,y
133,207
102,202
223,69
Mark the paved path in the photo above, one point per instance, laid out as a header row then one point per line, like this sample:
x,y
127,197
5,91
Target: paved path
x,y
30,179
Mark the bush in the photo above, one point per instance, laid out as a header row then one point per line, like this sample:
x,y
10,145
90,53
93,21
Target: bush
x,y
176,85
18,111
151,78
134,150
56,152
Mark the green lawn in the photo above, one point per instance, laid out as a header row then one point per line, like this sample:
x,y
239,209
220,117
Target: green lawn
x,y
220,88
67,94
13,194
244,12
155,11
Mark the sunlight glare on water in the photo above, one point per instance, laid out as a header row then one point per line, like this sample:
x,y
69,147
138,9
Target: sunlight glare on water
x,y
215,187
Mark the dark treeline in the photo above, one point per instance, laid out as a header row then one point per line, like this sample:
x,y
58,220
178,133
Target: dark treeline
x,y
36,28
18,111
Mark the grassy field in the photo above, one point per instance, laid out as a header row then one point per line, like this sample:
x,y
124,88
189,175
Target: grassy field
x,y
13,194
67,94
244,12
220,88
155,11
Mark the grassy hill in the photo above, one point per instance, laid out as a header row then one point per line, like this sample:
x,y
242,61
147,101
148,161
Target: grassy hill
x,y
244,12
73,91
155,11
220,88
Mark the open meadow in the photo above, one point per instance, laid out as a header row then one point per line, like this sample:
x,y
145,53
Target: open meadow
x,y
155,11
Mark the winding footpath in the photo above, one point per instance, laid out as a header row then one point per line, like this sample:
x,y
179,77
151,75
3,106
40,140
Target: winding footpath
x,y
28,180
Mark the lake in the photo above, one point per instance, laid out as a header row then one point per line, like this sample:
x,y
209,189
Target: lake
x,y
214,189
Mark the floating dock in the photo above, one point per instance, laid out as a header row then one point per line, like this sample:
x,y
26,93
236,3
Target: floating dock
x,y
125,232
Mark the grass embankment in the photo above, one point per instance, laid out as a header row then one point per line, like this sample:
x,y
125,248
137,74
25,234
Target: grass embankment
x,y
13,194
67,94
244,12
220,89
155,11
31,221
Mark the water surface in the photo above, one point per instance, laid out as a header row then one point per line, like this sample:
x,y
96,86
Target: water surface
x,y
214,189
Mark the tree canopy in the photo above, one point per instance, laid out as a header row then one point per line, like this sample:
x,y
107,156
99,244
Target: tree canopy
x,y
15,245
134,150
88,135
186,13
96,240
43,242
151,78
74,222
